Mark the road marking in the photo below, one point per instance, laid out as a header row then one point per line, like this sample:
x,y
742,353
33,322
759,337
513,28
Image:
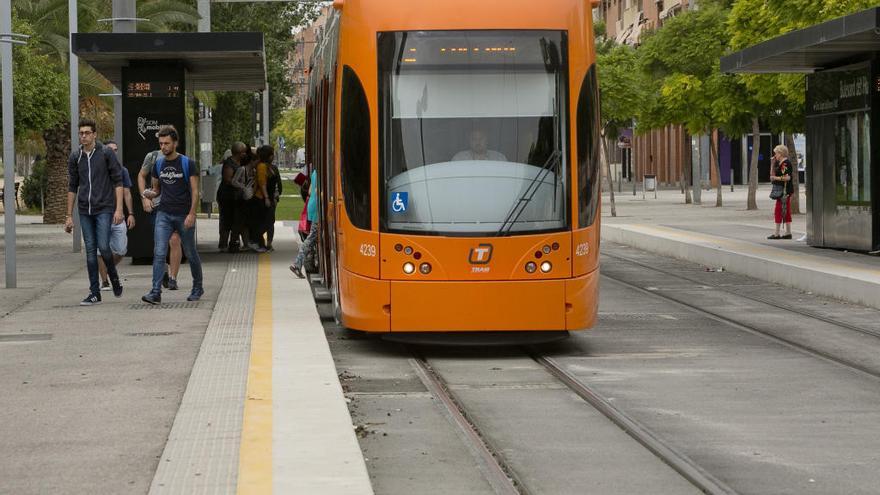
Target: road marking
x,y
255,453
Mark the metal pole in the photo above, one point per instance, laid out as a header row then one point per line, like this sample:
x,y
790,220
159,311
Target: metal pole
x,y
124,13
266,129
205,13
74,111
8,143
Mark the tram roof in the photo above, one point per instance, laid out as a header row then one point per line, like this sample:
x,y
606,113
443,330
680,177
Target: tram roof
x,y
214,61
811,49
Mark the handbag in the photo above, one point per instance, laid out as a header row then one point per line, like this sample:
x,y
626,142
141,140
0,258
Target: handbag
x,y
245,183
778,191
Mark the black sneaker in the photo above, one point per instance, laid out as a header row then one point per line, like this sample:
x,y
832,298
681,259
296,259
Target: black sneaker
x,y
117,288
165,279
172,284
91,300
196,294
105,285
152,298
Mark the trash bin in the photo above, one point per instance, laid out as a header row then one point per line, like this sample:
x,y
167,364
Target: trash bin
x,y
650,182
208,185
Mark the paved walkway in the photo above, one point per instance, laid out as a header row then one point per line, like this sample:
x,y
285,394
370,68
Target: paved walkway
x,y
237,393
735,239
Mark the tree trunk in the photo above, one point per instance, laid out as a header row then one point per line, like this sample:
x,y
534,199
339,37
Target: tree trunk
x,y
57,149
751,202
713,149
686,166
795,177
606,167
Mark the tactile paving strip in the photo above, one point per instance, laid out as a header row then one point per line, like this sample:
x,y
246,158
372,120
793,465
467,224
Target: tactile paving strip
x,y
201,455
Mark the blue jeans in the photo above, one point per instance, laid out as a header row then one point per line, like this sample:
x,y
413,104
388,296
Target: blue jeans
x,y
166,224
96,236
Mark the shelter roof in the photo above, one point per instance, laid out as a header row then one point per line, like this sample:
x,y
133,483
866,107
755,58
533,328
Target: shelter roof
x,y
214,61
811,49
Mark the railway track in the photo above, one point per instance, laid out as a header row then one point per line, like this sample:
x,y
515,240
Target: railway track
x,y
753,329
504,480
766,301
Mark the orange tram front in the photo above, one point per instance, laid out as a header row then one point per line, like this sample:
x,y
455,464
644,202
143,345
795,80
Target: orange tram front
x,y
457,150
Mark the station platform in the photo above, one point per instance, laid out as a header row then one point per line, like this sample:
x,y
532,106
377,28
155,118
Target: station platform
x,y
734,239
236,393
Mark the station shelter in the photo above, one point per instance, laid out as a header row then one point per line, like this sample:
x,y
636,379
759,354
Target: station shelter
x,y
842,61
154,71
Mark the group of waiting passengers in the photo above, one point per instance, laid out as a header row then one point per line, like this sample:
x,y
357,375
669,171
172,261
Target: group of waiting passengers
x,y
247,197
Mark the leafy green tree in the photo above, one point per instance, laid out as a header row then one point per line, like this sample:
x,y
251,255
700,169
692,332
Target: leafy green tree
x,y
779,98
232,114
682,62
292,127
620,84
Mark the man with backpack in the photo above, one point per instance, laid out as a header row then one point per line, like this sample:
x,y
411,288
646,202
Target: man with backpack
x,y
174,177
149,202
95,186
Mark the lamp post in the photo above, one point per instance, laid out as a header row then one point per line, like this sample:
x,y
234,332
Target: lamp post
x,y
7,39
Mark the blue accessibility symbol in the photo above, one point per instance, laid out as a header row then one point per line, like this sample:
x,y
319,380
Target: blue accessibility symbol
x,y
400,202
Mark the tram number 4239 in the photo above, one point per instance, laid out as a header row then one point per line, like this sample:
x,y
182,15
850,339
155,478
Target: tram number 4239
x,y
368,250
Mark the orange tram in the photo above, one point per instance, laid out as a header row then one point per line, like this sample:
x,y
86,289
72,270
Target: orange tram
x,y
457,149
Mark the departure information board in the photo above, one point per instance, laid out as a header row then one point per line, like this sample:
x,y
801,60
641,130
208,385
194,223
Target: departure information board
x,y
152,89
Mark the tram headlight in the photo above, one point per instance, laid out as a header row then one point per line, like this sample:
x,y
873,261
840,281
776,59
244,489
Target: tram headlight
x,y
425,268
546,249
546,266
408,268
531,267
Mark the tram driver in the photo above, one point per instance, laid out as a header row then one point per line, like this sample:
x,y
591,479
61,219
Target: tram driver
x,y
479,149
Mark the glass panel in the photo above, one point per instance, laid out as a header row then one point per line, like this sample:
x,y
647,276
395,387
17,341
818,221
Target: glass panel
x,y
355,150
853,160
472,131
588,149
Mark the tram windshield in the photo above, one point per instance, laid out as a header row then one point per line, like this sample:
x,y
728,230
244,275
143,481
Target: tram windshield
x,y
473,132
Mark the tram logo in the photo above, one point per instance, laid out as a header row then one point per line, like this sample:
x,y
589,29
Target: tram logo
x,y
481,255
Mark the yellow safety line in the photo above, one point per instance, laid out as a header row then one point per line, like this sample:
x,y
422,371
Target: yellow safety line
x,y
255,453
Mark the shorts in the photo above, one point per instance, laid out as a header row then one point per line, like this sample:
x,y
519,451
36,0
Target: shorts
x,y
119,239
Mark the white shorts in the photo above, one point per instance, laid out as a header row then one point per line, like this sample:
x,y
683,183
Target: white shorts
x,y
119,239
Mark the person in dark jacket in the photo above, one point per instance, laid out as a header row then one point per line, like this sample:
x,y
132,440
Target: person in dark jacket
x,y
95,184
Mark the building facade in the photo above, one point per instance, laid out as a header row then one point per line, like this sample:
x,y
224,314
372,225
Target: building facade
x,y
302,54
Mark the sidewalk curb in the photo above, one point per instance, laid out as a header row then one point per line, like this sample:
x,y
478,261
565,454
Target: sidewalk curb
x,y
800,271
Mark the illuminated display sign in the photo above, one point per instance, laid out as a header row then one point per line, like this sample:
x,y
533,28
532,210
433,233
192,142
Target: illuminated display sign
x,y
152,89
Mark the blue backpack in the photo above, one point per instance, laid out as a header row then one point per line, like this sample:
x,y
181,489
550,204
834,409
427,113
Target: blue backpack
x,y
184,160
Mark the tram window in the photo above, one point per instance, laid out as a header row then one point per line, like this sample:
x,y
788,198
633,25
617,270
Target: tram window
x,y
355,150
473,131
853,161
588,149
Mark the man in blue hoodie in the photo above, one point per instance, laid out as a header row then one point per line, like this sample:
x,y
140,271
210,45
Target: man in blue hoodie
x,y
95,184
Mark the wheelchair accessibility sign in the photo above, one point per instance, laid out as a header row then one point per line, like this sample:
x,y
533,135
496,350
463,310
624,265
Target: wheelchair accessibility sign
x,y
399,202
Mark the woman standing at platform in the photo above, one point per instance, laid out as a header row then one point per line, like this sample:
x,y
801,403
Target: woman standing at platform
x,y
780,177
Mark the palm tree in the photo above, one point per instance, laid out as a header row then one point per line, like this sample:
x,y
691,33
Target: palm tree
x,y
50,21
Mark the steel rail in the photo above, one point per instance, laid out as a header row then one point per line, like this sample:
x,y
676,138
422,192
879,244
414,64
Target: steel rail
x,y
496,472
822,355
675,459
808,314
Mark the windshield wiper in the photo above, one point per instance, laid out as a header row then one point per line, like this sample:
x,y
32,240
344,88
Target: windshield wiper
x,y
520,204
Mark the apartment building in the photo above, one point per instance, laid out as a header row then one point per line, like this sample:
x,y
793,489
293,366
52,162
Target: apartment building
x,y
626,20
302,54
